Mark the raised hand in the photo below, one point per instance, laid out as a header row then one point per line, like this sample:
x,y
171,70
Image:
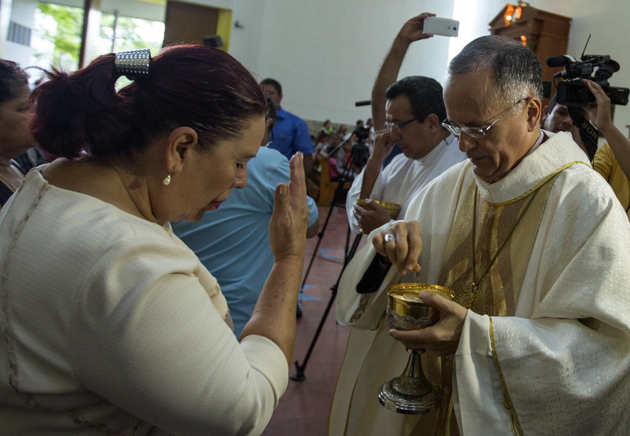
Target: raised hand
x,y
287,227
412,30
600,115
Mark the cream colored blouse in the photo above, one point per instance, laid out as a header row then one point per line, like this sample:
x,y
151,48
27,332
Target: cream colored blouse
x,y
111,325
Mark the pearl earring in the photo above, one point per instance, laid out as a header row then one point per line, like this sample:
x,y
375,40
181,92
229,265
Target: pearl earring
x,y
167,180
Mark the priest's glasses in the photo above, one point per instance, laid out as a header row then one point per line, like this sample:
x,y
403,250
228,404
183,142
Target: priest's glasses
x,y
411,392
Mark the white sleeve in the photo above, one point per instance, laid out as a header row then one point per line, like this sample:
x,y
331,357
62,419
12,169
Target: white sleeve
x,y
148,339
351,200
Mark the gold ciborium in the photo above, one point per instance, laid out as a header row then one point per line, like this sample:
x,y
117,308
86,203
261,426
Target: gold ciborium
x,y
392,209
411,392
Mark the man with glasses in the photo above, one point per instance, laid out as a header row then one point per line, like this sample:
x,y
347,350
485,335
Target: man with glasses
x,y
533,245
407,113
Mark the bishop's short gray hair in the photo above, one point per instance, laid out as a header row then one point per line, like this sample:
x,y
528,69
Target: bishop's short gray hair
x,y
515,68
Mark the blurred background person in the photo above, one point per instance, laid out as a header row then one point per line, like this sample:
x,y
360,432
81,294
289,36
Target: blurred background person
x,y
290,133
15,135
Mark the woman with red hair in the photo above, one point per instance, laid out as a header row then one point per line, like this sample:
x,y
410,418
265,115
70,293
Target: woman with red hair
x,y
111,324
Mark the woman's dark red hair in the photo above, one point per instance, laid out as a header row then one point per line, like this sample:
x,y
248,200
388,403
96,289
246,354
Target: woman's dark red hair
x,y
189,85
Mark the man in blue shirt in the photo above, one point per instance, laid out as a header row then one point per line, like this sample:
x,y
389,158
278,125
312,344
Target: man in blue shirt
x,y
290,133
233,241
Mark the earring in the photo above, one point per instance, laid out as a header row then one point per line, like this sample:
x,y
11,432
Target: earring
x,y
167,180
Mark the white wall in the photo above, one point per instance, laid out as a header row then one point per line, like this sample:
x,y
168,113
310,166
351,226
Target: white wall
x,y
246,42
22,12
326,53
5,17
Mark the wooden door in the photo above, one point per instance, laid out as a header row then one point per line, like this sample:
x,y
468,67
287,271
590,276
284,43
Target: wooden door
x,y
187,23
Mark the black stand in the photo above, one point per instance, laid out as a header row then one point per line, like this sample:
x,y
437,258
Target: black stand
x,y
337,196
348,254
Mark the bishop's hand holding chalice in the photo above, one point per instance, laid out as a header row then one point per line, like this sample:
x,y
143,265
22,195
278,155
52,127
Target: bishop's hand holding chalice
x,y
422,316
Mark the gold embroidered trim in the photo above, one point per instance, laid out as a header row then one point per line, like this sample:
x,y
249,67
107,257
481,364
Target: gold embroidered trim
x,y
507,401
538,185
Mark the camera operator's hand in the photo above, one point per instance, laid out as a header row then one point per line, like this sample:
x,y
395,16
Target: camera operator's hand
x,y
370,217
599,114
602,118
412,30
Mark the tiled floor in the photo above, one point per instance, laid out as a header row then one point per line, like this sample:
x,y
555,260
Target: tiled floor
x,y
304,407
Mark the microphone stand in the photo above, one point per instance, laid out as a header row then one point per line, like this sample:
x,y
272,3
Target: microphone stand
x,y
338,194
348,254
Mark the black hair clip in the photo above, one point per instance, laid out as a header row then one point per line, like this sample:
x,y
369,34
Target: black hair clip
x,y
134,64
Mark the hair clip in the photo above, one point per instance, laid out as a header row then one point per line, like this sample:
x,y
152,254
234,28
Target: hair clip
x,y
134,64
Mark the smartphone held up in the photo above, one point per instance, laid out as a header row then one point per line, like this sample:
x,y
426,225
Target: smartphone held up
x,y
440,26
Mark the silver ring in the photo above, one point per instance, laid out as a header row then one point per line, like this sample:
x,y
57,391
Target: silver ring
x,y
388,237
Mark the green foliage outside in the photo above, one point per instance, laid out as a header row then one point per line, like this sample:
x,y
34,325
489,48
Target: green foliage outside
x,y
66,37
131,34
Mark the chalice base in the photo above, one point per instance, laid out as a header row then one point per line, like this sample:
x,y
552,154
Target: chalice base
x,y
407,395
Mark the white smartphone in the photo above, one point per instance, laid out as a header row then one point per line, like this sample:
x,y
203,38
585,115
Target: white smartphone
x,y
440,26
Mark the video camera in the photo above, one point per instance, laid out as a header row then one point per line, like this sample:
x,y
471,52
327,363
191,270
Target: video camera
x,y
598,68
362,133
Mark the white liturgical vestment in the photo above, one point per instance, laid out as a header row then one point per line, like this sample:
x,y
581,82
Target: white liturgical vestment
x,y
545,346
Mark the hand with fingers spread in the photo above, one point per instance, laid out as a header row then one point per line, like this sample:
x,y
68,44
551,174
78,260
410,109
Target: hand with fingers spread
x,y
370,217
401,244
443,336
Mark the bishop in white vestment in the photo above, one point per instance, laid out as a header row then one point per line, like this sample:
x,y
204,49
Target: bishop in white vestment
x,y
539,258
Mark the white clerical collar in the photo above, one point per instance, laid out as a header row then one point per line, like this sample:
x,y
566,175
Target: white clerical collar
x,y
549,156
438,149
541,137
